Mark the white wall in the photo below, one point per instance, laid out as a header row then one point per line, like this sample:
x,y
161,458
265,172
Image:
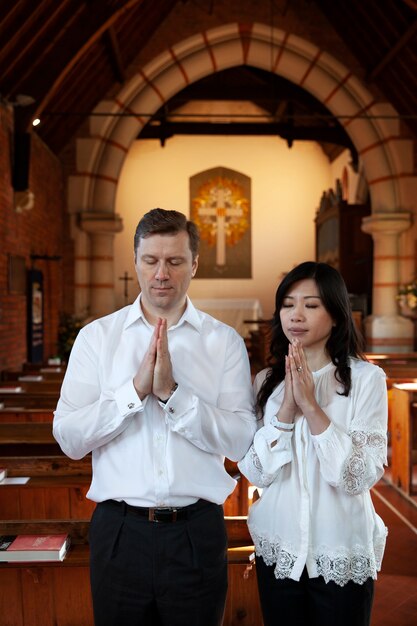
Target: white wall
x,y
286,188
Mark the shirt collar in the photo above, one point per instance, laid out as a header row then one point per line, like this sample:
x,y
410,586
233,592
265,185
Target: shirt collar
x,y
190,315
134,313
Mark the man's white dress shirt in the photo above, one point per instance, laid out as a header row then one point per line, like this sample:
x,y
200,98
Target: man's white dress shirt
x,y
316,509
149,453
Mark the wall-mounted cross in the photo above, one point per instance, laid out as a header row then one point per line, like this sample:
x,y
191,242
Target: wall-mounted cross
x,y
220,208
126,279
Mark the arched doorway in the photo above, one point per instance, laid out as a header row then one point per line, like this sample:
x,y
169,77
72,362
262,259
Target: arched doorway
x,y
372,126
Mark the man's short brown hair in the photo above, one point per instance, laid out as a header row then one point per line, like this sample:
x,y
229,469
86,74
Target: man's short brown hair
x,y
161,221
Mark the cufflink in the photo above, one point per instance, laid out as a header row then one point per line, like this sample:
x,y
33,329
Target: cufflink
x,y
130,405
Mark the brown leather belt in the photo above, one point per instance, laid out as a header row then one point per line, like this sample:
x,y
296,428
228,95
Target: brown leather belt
x,y
158,514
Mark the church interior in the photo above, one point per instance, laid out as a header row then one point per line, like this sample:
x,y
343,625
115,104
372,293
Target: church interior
x,y
302,112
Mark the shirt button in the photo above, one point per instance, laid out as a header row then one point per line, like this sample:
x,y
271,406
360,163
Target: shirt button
x,y
130,405
171,409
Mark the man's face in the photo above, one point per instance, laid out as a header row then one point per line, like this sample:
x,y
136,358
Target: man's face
x,y
164,267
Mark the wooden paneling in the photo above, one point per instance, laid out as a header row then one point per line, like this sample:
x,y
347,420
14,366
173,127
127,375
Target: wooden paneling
x,y
403,430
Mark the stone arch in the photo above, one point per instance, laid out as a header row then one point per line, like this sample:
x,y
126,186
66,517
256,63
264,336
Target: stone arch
x,y
373,127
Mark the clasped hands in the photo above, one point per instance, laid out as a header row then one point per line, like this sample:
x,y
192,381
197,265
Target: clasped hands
x,y
154,375
298,385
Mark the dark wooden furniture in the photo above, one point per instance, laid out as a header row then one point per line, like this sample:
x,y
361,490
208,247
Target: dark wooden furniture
x,y
404,436
58,485
341,242
257,343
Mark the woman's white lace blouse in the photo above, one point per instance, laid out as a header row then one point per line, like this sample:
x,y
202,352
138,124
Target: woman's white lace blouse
x,y
316,509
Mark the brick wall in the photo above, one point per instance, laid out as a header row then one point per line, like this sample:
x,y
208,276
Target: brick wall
x,y
38,231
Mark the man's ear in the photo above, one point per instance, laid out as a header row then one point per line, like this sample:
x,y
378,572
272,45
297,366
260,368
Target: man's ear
x,y
195,266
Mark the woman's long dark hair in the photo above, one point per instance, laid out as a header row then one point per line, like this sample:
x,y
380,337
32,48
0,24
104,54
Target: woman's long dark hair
x,y
344,340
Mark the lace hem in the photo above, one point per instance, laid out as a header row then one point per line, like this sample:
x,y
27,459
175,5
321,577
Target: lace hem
x,y
341,566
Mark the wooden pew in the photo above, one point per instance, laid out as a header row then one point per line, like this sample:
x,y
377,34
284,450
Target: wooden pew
x,y
13,413
50,364
395,364
41,466
59,593
26,434
238,501
58,485
34,375
28,400
36,388
38,403
47,497
55,495
399,367
404,436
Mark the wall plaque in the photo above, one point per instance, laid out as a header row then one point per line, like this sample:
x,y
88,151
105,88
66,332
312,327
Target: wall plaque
x,y
220,201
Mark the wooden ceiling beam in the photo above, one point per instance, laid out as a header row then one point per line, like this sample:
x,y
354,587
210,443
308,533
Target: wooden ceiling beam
x,y
115,55
29,41
92,23
281,109
287,131
8,11
394,51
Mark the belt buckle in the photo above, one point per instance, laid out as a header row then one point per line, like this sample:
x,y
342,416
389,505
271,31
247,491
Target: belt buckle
x,y
153,513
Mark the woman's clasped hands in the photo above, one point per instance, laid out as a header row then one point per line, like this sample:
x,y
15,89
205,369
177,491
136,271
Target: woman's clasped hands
x,y
299,396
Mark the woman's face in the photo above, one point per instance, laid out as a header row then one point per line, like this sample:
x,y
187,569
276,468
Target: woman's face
x,y
304,317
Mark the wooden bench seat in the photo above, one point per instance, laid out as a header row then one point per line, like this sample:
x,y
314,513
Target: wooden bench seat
x,y
32,388
396,365
37,466
57,485
21,414
15,401
27,439
25,433
40,375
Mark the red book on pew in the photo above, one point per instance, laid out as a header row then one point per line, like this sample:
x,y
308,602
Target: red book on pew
x,y
33,547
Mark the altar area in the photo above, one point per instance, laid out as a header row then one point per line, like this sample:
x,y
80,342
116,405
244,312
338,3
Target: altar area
x,y
232,311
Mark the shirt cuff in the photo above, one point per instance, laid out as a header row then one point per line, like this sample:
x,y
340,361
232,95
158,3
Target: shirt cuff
x,y
127,399
271,434
272,457
177,403
325,435
282,425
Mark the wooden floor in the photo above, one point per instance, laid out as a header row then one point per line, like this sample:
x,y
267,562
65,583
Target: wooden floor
x,y
395,601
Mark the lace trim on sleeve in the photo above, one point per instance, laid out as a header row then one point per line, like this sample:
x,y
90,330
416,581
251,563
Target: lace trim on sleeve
x,y
368,449
256,474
